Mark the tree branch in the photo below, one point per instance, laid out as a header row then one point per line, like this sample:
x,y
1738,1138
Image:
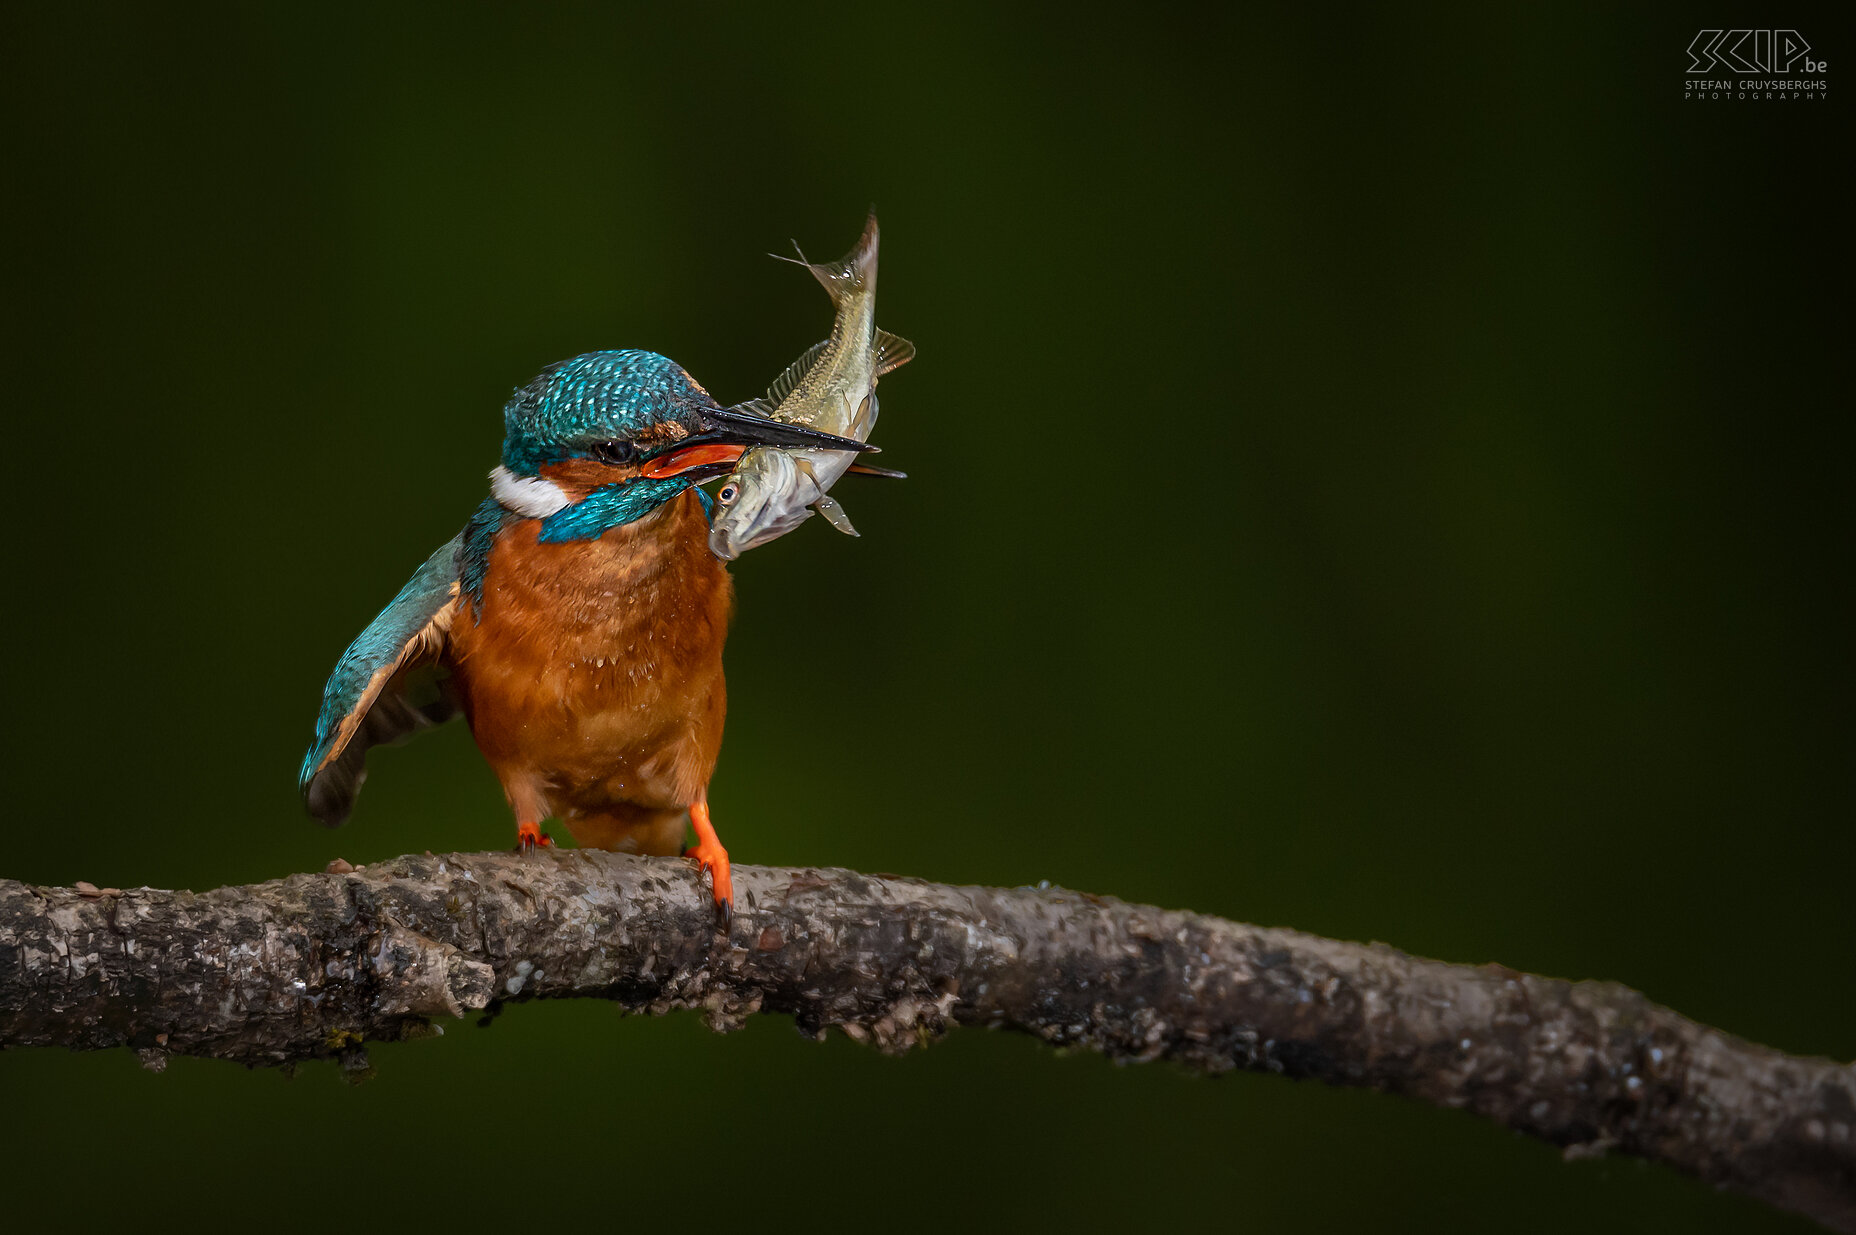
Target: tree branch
x,y
313,966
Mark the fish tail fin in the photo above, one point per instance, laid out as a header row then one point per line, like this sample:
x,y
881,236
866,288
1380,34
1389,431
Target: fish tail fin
x,y
860,262
801,260
855,270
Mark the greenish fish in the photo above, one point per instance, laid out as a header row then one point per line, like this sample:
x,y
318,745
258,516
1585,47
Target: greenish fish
x,y
831,388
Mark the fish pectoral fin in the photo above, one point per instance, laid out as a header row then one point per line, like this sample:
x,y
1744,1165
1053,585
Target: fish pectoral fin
x,y
864,419
892,352
887,473
834,514
805,468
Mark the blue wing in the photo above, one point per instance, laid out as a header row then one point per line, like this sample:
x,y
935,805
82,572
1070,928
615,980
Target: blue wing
x,y
388,684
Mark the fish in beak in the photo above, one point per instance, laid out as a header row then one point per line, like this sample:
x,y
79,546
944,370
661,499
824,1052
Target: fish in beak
x,y
726,433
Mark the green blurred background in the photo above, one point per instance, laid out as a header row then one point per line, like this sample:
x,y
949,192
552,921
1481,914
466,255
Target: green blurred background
x,y
1370,473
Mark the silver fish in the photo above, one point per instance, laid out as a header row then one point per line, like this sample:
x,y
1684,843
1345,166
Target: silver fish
x,y
831,388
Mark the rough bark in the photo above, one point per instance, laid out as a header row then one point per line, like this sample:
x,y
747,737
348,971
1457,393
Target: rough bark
x,y
313,966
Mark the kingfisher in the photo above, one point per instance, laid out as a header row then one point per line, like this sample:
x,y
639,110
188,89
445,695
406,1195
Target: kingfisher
x,y
576,621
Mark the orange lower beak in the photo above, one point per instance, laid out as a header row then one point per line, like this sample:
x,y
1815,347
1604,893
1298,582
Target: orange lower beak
x,y
692,457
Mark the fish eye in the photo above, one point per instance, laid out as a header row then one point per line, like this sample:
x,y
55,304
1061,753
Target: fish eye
x,y
727,494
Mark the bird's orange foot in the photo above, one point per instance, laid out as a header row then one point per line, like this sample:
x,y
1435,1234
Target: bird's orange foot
x,y
530,836
712,858
709,855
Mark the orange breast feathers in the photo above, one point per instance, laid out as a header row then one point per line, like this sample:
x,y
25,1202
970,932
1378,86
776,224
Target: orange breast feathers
x,y
592,678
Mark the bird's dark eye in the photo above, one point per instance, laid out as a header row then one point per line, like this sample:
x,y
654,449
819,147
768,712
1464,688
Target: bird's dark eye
x,y
727,494
615,452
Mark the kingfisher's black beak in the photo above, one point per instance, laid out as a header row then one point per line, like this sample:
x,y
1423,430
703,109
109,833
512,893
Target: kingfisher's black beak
x,y
732,426
726,433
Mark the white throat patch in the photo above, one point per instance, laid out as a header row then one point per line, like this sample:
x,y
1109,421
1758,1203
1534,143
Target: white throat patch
x,y
530,496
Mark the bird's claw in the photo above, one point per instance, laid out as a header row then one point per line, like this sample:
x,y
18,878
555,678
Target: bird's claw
x,y
529,836
713,859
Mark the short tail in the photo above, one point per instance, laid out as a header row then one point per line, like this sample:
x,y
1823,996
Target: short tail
x,y
855,271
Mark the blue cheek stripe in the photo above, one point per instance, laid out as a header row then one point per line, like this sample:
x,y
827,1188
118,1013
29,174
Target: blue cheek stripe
x,y
608,507
588,519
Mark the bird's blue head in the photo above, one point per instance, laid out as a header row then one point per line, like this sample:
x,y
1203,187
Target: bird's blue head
x,y
606,438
